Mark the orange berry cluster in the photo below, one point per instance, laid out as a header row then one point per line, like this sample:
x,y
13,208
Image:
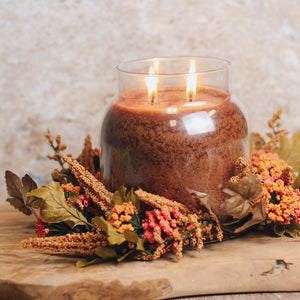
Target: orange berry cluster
x,y
282,201
120,215
268,166
69,187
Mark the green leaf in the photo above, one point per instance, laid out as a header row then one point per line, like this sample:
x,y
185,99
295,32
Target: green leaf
x,y
81,263
293,230
113,236
51,199
123,257
136,222
106,253
17,190
133,237
73,198
289,151
120,196
57,229
279,229
284,148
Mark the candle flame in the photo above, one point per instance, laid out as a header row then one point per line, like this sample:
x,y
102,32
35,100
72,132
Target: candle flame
x,y
191,82
151,82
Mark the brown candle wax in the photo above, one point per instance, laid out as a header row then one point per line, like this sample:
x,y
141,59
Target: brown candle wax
x,y
174,145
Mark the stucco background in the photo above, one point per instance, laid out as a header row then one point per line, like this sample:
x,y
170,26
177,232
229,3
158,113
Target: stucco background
x,y
58,58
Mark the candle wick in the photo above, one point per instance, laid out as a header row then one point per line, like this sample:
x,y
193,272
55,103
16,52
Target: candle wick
x,y
190,96
152,99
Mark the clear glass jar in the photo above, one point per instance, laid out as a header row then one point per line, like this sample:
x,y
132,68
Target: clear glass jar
x,y
184,133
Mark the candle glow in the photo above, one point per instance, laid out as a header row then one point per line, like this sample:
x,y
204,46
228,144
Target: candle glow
x,y
156,66
151,82
191,82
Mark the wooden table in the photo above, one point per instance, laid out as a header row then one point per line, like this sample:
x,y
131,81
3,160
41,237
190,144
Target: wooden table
x,y
253,263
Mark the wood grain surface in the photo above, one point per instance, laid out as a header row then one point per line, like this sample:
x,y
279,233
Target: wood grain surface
x,y
253,264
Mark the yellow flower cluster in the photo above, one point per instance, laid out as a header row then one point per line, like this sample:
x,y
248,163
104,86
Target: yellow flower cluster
x,y
120,215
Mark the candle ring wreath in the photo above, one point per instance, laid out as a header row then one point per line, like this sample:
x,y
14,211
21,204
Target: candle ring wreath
x,y
76,214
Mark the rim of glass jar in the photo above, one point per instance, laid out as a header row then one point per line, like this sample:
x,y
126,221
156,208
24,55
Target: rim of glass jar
x,y
226,63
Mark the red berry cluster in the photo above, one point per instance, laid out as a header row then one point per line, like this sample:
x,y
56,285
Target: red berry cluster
x,y
41,229
161,221
82,202
296,216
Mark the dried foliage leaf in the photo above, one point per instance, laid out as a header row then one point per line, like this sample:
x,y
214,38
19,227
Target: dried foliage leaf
x,y
17,189
279,229
296,184
73,198
237,206
127,254
201,198
51,199
84,262
136,222
289,151
292,229
113,237
121,196
242,196
258,216
106,253
133,237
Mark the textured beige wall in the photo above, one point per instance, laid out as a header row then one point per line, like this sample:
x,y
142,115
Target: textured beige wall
x,y
57,62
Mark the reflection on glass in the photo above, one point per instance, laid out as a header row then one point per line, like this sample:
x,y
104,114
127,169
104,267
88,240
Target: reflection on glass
x,y
173,123
198,122
172,110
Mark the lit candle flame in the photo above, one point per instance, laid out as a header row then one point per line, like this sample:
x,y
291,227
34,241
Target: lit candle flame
x,y
191,82
151,82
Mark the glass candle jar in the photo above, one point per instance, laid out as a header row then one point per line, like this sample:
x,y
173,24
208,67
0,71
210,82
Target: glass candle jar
x,y
174,127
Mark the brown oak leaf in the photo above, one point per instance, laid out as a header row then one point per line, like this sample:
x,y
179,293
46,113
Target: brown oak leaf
x,y
258,216
242,194
17,190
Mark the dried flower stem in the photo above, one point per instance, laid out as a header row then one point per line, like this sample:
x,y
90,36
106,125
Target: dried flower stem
x,y
86,158
276,133
83,244
93,188
159,202
57,149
